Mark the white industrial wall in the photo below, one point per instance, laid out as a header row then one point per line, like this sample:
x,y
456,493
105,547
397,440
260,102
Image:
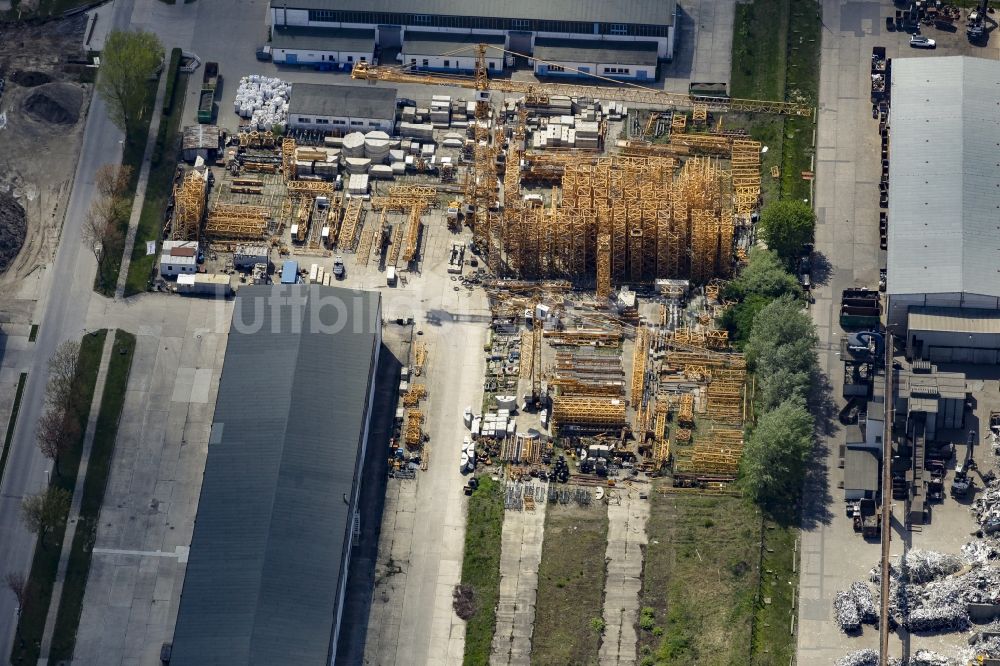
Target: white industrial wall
x,y
600,69
303,57
900,304
455,64
172,270
341,123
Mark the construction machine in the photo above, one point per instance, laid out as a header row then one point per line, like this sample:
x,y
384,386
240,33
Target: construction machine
x,y
632,93
976,26
962,483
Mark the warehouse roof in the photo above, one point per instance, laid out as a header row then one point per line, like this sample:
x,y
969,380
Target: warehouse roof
x,y
861,469
263,576
439,43
657,12
944,182
953,320
318,99
603,51
323,39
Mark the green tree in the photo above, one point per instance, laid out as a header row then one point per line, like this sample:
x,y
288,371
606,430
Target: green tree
x,y
775,455
783,336
128,61
764,275
786,226
738,318
46,510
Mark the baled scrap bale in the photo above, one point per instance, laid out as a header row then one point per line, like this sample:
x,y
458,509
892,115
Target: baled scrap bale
x,y
865,602
845,610
864,657
928,658
923,566
951,617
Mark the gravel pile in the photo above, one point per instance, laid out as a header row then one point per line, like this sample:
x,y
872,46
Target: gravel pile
x,y
55,104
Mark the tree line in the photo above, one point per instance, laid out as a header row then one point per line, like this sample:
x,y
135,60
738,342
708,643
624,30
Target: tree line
x,y
769,322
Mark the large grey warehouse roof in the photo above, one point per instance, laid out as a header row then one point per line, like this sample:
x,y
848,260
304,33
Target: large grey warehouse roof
x,y
658,12
422,42
269,539
602,51
319,99
944,182
323,39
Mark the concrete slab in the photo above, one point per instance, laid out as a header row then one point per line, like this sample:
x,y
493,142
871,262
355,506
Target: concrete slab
x,y
627,516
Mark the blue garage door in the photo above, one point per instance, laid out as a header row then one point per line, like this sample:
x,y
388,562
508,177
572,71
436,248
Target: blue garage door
x,y
641,74
292,58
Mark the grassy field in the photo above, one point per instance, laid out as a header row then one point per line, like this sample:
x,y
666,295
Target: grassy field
x,y
158,189
570,586
106,278
776,46
700,580
98,471
49,545
481,568
773,641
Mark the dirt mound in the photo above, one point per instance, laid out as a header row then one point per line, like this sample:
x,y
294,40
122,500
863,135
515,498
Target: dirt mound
x,y
55,103
29,79
13,227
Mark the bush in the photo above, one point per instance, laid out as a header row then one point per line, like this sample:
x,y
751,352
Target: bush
x,y
597,624
647,619
172,74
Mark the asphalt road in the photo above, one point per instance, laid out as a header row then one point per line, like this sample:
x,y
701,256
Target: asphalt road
x,y
63,311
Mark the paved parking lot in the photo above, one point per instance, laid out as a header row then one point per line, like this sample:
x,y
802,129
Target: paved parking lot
x,y
846,202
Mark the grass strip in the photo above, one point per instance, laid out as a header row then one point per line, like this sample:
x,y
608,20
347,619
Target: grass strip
x,y
569,604
94,485
776,55
106,279
12,422
700,580
773,640
481,568
48,546
158,190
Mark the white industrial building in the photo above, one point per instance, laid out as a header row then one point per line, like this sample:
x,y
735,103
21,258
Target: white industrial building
x,y
342,108
449,51
515,25
615,60
943,266
326,49
178,257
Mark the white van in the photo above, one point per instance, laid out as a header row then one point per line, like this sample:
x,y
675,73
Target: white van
x,y
390,276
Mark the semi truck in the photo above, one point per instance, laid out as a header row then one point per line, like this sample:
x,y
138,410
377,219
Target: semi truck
x,y
209,85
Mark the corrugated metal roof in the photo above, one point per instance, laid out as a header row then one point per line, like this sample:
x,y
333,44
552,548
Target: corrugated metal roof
x,y
944,176
954,320
319,99
603,51
658,12
323,39
264,570
422,42
861,470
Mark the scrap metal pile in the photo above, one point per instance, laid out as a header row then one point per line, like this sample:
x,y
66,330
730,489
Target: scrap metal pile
x,y
986,509
929,592
868,657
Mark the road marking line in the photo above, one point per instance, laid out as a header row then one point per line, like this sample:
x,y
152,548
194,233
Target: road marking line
x,y
180,552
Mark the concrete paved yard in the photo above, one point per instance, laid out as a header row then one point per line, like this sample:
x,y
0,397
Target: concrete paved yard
x,y
627,515
520,554
145,528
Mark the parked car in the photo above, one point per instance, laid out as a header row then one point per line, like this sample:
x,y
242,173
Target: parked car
x,y
405,101
918,42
